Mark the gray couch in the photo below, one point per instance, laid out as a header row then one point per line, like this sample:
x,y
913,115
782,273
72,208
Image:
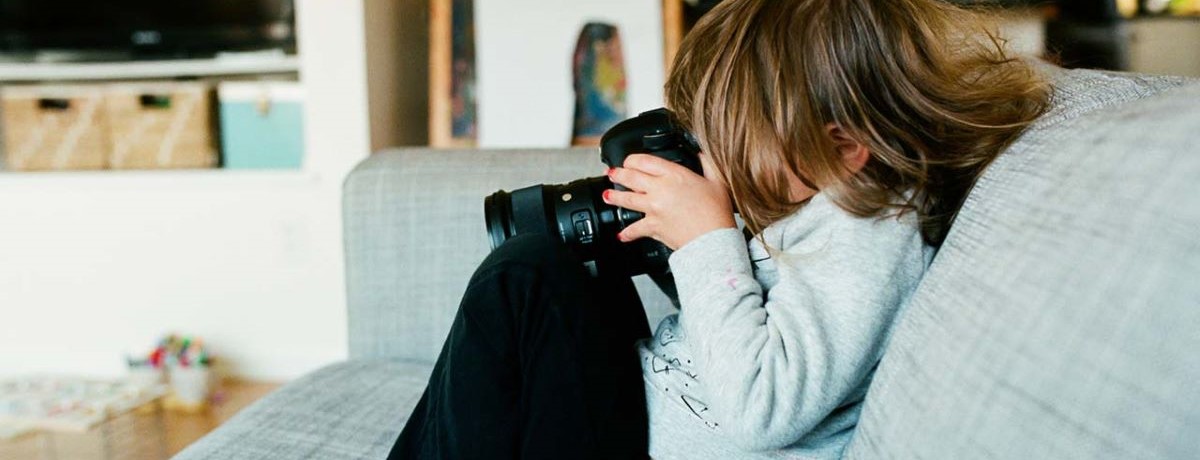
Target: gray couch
x,y
1060,320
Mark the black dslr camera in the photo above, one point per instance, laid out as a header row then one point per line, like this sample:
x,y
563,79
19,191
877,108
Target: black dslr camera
x,y
580,217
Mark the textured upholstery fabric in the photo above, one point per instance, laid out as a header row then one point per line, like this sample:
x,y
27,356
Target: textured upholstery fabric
x,y
1061,319
351,410
414,230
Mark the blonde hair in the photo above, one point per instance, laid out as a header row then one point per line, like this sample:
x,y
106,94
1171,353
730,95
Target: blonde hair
x,y
927,87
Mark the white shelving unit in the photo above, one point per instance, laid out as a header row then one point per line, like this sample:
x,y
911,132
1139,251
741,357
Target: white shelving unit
x,y
252,65
265,64
242,65
96,264
158,180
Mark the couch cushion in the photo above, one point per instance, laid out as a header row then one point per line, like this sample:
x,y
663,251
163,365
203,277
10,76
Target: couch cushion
x,y
351,410
1061,319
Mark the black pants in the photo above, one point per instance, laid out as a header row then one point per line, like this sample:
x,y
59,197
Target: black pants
x,y
540,363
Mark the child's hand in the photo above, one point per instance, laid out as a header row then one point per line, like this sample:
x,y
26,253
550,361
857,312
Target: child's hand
x,y
679,204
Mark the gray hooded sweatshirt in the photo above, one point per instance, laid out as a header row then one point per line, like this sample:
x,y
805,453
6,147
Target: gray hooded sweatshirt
x,y
773,350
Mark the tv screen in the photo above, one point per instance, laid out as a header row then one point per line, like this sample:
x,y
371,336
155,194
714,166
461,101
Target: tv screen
x,y
146,26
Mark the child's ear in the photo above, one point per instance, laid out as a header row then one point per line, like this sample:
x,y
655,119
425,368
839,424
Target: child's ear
x,y
854,153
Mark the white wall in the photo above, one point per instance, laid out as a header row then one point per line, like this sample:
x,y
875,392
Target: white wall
x,y
524,52
93,265
1025,31
1165,46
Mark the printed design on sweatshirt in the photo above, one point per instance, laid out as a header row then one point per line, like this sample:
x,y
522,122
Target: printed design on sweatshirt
x,y
662,365
698,409
731,279
667,358
668,336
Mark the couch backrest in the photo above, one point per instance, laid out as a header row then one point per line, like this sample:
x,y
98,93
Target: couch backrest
x,y
1061,319
414,233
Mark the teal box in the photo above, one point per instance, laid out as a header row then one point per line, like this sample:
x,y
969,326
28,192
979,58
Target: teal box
x,y
262,125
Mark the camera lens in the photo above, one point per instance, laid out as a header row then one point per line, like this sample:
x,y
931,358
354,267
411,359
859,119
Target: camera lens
x,y
497,212
522,211
576,215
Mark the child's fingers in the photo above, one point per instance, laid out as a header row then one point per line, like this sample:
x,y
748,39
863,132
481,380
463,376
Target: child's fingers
x,y
652,165
628,200
631,178
636,231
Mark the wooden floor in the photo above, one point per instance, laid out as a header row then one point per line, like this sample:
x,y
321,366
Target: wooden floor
x,y
147,434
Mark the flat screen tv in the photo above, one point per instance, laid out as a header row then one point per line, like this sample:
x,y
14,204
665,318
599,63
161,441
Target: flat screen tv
x,y
146,27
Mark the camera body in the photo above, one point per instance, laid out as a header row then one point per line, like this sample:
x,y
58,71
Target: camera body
x,y
656,133
577,214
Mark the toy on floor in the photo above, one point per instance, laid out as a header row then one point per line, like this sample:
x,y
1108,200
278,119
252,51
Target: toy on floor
x,y
187,366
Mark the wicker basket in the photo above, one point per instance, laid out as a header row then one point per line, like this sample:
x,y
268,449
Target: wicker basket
x,y
161,125
50,128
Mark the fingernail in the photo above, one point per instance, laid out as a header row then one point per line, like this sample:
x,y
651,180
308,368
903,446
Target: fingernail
x,y
610,171
621,238
606,194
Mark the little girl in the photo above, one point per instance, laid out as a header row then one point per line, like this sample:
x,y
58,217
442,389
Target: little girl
x,y
846,134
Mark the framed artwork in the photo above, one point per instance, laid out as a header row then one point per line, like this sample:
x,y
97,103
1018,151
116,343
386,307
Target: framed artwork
x,y
541,73
453,106
678,18
673,30
599,80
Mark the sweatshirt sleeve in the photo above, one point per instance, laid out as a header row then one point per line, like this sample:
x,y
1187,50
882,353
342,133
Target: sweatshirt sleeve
x,y
774,365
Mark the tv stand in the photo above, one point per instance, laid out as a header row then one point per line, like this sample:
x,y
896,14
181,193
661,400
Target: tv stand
x,y
258,63
65,56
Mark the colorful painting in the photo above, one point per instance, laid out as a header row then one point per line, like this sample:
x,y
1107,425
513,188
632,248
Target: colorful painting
x,y
540,85
464,124
600,86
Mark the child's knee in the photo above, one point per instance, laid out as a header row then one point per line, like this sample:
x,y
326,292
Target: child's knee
x,y
533,250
